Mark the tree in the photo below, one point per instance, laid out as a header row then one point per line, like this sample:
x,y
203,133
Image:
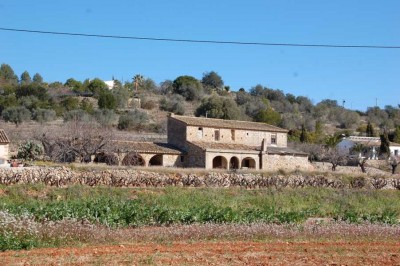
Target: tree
x,y
304,136
212,80
393,161
7,75
335,156
107,101
105,117
96,86
75,85
187,86
173,104
75,139
44,115
137,81
219,107
396,136
133,120
25,78
268,116
37,78
17,114
370,130
384,148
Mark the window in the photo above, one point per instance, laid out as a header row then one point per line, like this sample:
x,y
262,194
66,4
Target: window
x,y
216,134
182,158
396,152
232,134
200,132
273,138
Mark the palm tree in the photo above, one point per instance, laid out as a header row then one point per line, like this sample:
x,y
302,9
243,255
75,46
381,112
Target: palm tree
x,y
137,80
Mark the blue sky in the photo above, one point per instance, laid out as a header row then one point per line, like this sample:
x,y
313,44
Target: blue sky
x,y
358,76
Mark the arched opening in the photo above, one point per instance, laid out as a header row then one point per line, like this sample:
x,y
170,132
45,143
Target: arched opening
x,y
234,163
248,163
156,160
220,162
133,159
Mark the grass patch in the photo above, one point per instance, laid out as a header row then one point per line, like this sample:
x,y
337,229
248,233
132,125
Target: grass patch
x,y
121,207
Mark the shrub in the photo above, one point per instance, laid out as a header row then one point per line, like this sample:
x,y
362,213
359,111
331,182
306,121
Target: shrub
x,y
105,117
107,158
76,115
29,150
17,114
173,104
133,159
147,104
44,115
133,120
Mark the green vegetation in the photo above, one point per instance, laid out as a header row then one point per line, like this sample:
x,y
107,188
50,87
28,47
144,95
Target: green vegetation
x,y
137,207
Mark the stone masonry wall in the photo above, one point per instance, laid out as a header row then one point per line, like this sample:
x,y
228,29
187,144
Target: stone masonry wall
x,y
247,137
288,163
62,176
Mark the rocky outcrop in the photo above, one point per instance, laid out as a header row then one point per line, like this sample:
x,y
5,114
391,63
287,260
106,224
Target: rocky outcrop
x,y
62,176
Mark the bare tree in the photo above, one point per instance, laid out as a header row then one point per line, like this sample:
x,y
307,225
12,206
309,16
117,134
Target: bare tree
x,y
393,161
335,156
75,140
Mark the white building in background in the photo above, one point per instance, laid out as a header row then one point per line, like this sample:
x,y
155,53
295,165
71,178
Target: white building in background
x,y
371,145
394,148
110,84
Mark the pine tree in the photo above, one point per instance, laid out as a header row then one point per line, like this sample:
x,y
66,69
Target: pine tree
x,y
370,130
384,149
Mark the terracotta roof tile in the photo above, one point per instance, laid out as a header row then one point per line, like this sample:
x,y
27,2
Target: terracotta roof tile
x,y
3,137
224,146
144,147
221,123
284,151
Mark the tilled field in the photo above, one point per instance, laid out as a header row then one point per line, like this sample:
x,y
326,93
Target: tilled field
x,y
272,252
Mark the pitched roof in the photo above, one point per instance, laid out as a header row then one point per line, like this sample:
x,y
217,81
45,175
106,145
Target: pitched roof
x,y
366,141
224,146
144,147
394,144
284,151
3,137
242,147
221,123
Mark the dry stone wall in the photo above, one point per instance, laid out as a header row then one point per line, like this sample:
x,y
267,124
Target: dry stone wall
x,y
62,176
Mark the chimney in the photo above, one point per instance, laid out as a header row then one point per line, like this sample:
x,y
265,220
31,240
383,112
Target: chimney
x,y
264,145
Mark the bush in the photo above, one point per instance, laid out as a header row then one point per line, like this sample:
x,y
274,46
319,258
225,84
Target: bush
x,y
76,115
133,120
107,158
44,115
17,114
173,104
105,117
147,104
29,150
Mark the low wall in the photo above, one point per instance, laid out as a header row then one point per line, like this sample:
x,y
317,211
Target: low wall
x,y
62,176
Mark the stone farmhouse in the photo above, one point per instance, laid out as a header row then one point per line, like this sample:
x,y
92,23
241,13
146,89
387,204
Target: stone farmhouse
x,y
215,143
4,147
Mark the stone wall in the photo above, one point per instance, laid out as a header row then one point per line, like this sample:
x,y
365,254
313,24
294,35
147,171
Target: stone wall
x,y
275,162
61,176
176,133
246,137
196,157
4,150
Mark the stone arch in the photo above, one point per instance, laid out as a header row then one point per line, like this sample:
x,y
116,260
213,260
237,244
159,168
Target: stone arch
x,y
133,159
220,162
248,162
156,160
234,163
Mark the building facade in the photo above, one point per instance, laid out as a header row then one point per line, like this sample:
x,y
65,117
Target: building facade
x,y
229,144
4,148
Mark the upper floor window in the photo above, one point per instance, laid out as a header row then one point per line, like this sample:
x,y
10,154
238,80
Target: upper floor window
x,y
273,138
232,134
200,132
216,135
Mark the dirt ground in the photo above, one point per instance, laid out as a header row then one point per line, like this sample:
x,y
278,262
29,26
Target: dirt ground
x,y
214,253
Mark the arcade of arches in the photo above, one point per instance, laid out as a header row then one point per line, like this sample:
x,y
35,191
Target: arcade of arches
x,y
234,163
